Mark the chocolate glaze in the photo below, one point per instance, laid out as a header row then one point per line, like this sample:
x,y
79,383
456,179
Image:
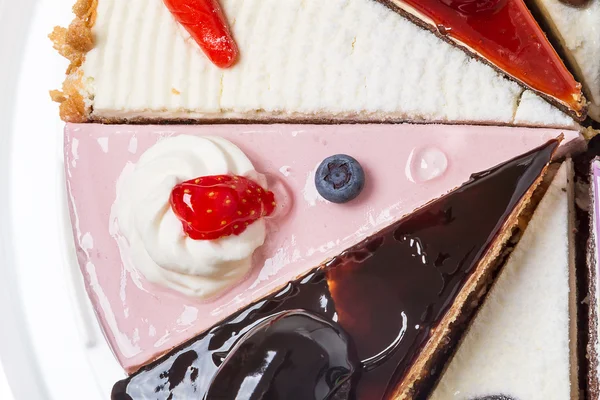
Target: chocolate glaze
x,y
283,353
384,295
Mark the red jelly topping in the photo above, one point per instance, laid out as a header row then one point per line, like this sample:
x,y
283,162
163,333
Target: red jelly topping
x,y
505,33
206,23
212,207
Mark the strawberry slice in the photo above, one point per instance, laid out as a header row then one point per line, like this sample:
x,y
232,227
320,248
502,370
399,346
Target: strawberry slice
x,y
205,21
212,207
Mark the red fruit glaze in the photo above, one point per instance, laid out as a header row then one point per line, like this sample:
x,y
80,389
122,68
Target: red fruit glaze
x,y
212,207
505,33
205,21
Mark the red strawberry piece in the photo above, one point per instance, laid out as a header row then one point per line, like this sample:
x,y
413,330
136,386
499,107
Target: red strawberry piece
x,y
205,21
212,207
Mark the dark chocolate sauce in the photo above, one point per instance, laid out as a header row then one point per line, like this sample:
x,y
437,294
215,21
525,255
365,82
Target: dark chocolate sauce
x,y
380,298
281,354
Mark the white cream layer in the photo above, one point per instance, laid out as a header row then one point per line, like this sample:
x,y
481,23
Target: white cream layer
x,y
300,59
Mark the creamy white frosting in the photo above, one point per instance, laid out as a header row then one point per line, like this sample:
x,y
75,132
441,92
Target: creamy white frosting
x,y
159,247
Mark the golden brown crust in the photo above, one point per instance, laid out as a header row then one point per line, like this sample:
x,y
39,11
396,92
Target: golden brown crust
x,y
464,306
308,120
74,43
574,294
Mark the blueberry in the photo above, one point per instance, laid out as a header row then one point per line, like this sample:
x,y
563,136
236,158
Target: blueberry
x,y
340,178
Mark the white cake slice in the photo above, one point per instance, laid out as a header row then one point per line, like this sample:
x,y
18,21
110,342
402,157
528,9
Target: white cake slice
x,y
577,29
300,60
522,344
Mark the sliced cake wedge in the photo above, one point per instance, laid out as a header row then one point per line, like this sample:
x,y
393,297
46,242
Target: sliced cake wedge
x,y
523,342
300,61
504,34
384,311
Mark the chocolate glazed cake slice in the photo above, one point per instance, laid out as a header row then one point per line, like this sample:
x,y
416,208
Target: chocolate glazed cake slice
x,y
372,323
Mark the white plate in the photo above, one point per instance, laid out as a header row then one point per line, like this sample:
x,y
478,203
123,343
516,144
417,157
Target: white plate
x,y
50,345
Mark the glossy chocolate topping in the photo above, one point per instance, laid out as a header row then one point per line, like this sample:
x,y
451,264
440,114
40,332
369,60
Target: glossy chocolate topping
x,y
353,327
284,352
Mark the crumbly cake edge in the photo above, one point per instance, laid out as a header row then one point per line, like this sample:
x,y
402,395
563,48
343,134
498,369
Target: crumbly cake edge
x,y
439,349
74,43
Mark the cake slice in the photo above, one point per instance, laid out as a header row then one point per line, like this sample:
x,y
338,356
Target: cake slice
x,y
523,342
505,35
146,311
383,311
574,25
300,60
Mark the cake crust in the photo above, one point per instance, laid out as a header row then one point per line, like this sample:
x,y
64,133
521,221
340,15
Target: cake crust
x,y
270,119
574,342
592,351
78,100
549,13
74,43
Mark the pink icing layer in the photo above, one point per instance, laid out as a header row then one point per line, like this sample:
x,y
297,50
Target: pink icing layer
x,y
142,321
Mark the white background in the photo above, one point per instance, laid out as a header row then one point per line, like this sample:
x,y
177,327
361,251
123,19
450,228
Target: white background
x,y
50,345
5,393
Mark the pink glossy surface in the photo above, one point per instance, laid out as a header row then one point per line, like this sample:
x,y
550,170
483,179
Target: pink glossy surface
x,y
142,321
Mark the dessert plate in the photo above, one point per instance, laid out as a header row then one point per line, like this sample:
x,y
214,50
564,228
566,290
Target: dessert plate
x,y
50,345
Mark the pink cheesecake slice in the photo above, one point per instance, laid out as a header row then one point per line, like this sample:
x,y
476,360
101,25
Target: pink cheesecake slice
x,y
406,167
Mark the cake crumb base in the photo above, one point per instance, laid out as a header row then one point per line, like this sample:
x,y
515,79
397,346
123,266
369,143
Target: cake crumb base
x,y
74,43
